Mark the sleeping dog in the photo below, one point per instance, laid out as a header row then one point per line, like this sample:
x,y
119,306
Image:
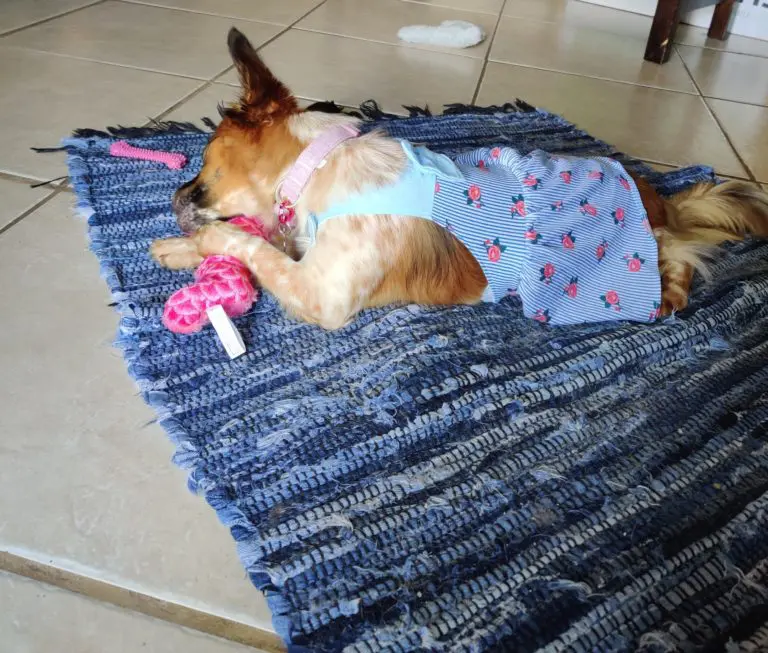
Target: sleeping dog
x,y
368,220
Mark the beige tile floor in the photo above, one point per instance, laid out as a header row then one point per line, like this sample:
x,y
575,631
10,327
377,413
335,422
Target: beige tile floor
x,y
89,500
77,623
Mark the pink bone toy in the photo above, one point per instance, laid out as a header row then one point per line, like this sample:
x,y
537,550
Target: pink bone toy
x,y
174,160
219,280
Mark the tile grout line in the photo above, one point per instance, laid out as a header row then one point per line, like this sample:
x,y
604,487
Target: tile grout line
x,y
487,57
27,212
200,12
644,39
725,99
441,6
205,81
721,51
15,30
716,119
100,62
210,82
409,46
602,79
141,602
488,60
149,3
205,85
22,179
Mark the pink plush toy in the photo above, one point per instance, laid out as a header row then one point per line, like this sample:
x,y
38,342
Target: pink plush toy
x,y
219,280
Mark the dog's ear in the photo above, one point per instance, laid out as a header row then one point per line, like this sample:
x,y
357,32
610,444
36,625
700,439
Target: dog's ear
x,y
263,93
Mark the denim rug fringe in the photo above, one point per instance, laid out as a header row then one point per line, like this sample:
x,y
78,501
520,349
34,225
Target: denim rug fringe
x,y
463,479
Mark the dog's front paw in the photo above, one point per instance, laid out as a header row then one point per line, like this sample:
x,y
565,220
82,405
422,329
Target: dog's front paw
x,y
220,238
176,253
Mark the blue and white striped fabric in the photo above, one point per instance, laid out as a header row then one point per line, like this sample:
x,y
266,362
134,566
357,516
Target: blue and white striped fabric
x,y
570,236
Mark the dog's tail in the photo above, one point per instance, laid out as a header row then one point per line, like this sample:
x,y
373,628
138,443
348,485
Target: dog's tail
x,y
710,214
697,221
707,215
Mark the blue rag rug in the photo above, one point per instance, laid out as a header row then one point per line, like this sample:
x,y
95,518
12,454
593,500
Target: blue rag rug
x,y
463,479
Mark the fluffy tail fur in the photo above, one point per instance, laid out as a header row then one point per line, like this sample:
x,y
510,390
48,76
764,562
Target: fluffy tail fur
x,y
697,221
713,213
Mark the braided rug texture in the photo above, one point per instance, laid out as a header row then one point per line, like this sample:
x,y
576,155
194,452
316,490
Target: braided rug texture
x,y
463,479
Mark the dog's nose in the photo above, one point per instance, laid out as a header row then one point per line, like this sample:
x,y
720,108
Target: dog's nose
x,y
184,209
180,200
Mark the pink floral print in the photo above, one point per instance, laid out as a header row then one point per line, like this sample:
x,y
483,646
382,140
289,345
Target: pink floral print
x,y
602,248
542,315
532,182
494,249
611,300
587,209
596,174
624,182
532,235
634,262
547,273
518,206
474,195
572,288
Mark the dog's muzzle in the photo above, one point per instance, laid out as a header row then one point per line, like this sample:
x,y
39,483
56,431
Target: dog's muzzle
x,y
186,203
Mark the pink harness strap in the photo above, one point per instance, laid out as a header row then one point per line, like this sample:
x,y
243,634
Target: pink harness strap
x,y
313,157
174,160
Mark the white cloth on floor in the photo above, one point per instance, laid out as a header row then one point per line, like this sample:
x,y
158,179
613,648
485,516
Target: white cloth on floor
x,y
449,34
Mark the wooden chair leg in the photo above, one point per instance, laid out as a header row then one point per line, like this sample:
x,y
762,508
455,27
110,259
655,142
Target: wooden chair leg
x,y
662,36
718,28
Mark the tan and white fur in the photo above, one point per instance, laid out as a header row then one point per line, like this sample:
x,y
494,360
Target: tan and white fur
x,y
361,261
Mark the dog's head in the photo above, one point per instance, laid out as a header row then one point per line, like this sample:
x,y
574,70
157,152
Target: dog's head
x,y
251,148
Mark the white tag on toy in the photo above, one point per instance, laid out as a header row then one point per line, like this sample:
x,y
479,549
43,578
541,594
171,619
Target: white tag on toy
x,y
230,337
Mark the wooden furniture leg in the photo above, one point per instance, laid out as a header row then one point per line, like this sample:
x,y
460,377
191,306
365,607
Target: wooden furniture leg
x,y
662,37
718,28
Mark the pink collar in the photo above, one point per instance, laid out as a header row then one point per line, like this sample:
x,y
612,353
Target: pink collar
x,y
313,157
